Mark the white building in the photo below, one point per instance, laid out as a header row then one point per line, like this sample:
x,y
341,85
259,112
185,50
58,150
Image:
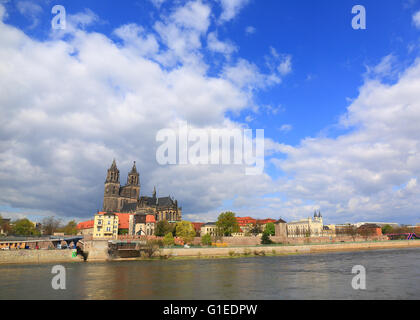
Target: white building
x,y
312,227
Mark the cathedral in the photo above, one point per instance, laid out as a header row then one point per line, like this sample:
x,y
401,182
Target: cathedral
x,y
127,199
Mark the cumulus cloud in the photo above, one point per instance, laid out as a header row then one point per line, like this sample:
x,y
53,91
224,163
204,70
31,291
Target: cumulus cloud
x,y
416,19
230,8
30,10
355,174
73,102
214,44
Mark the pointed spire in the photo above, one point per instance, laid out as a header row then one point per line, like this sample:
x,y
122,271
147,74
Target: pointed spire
x,y
113,165
154,191
134,169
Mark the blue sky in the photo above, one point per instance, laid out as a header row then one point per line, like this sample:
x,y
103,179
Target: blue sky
x,y
305,68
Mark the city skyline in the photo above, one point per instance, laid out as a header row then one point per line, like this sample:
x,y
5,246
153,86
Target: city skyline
x,y
339,107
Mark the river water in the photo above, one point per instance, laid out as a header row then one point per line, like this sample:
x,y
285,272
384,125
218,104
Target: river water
x,y
390,274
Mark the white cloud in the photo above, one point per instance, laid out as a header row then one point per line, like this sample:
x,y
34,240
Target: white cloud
x,y
88,99
214,44
286,128
416,19
250,30
354,175
230,8
30,10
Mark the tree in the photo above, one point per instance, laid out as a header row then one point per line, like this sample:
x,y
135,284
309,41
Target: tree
x,y
265,239
24,227
4,225
206,240
163,227
270,229
227,224
151,247
185,230
69,228
50,225
168,240
386,229
255,230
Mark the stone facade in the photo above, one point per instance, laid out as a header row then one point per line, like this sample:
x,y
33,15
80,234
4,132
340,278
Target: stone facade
x,y
306,227
127,199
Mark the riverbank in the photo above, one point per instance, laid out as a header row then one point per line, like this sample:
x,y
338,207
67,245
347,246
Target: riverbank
x,y
64,256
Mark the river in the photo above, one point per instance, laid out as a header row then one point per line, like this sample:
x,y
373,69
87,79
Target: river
x,y
390,274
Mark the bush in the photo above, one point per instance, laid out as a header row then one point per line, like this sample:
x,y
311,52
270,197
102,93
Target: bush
x,y
206,240
152,247
247,252
169,240
265,239
231,253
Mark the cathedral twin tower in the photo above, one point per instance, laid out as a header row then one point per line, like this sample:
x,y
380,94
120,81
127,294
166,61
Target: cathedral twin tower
x,y
126,199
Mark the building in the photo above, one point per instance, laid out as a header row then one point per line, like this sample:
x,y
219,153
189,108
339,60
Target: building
x,y
280,227
369,229
85,228
3,223
127,199
209,228
381,224
306,227
263,223
142,224
105,225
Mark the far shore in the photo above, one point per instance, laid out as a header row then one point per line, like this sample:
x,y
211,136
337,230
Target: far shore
x,y
28,257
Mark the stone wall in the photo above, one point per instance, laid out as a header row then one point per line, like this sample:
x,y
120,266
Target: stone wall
x,y
37,256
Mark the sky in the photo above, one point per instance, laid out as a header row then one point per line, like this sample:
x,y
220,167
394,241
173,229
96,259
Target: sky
x,y
340,107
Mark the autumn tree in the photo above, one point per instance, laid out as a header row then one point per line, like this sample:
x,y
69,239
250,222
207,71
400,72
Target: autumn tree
x,y
50,225
185,230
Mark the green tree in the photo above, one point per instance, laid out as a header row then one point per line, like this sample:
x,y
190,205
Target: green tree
x,y
206,240
163,227
255,230
168,240
24,227
227,224
386,229
265,239
270,229
69,228
185,230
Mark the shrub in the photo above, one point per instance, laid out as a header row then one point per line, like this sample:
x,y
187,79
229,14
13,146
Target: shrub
x,y
231,253
168,240
206,240
265,239
247,252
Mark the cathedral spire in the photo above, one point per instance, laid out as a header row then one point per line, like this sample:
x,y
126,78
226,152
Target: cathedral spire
x,y
133,169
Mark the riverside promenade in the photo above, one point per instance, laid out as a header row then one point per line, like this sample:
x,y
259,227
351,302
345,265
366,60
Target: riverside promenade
x,y
100,253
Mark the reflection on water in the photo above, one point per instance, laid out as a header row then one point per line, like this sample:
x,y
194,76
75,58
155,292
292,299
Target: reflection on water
x,y
391,274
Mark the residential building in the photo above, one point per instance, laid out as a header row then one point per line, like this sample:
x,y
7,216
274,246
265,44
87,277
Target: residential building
x,y
85,228
209,228
106,225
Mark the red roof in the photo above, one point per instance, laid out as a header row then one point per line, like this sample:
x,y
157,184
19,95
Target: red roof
x,y
85,225
150,218
265,221
245,221
197,225
123,219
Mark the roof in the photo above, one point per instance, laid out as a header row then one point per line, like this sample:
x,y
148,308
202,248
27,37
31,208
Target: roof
x,y
197,225
265,221
123,219
165,202
281,221
150,218
209,224
85,225
129,207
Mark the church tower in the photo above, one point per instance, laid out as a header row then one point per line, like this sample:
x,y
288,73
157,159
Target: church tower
x,y
112,189
132,188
